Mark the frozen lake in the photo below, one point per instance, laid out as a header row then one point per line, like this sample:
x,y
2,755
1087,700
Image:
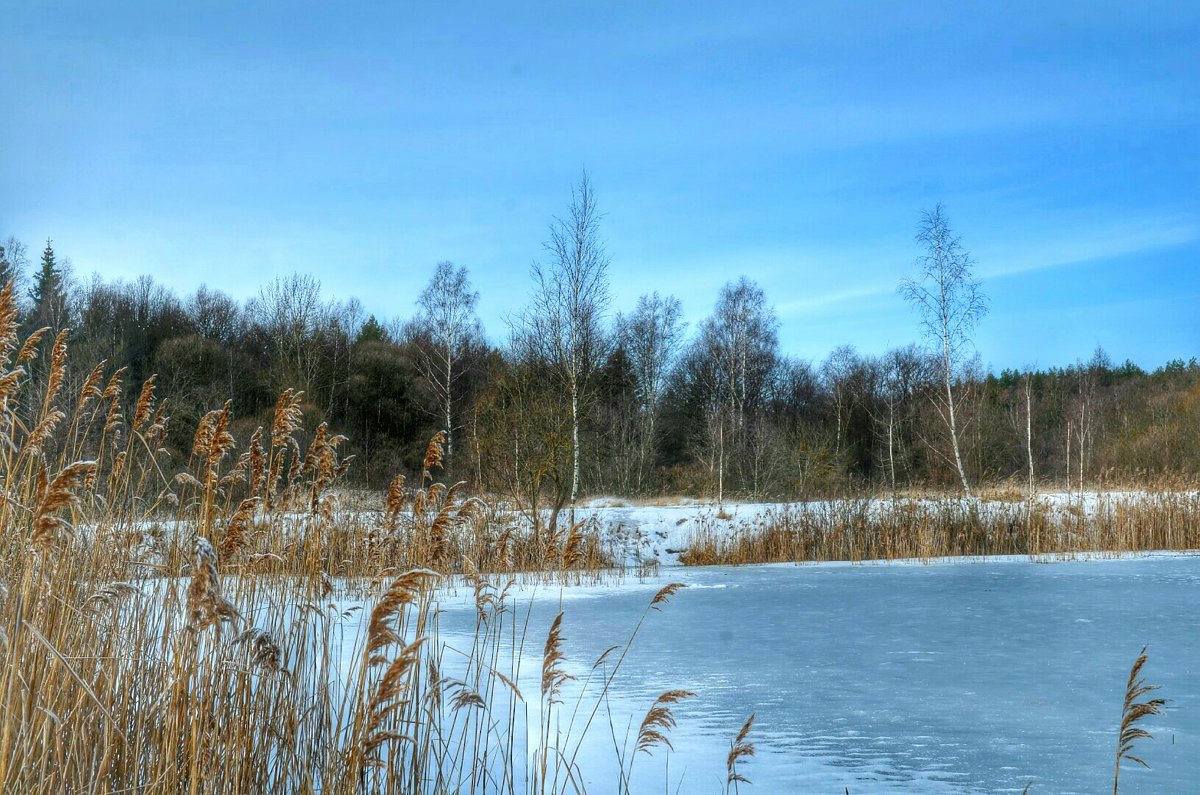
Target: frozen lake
x,y
957,677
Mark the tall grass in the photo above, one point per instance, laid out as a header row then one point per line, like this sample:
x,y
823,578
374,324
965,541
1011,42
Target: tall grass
x,y
865,529
184,629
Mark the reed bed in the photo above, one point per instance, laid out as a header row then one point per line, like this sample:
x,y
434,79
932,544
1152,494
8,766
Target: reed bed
x,y
866,529
184,629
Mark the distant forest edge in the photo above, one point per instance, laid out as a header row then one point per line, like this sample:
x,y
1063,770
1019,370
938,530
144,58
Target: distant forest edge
x,y
657,408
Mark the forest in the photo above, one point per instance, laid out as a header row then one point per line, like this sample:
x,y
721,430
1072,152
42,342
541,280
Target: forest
x,y
575,399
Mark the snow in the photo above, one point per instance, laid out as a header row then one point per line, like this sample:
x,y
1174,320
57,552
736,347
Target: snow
x,y
659,533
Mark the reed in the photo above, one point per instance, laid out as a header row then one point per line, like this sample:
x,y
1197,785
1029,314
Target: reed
x,y
875,529
1133,711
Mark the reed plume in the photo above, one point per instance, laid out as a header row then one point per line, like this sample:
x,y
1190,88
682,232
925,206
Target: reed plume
x,y
659,721
553,675
287,417
29,350
387,700
58,366
403,591
144,405
740,749
91,387
433,456
665,593
10,318
1132,712
206,606
265,653
237,532
55,496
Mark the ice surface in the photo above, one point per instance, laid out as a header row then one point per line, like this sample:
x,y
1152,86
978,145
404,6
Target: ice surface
x,y
952,677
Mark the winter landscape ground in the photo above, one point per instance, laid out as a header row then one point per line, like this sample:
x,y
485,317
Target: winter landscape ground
x,y
544,398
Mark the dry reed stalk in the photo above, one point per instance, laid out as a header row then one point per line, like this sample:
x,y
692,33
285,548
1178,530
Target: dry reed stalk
x,y
55,496
665,593
740,749
659,721
220,442
112,593
439,534
29,350
403,591
452,492
265,653
145,404
58,367
573,548
1133,711
553,675
257,458
10,319
394,501
206,606
237,532
433,456
287,417
388,699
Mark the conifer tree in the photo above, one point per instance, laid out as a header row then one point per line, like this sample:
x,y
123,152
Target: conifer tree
x,y
47,296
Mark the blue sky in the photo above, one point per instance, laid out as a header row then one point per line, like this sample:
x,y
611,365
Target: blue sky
x,y
794,143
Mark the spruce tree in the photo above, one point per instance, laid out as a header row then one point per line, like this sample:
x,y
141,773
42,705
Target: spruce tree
x,y
48,302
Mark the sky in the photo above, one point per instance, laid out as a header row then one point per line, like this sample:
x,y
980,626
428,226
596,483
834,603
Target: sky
x,y
794,143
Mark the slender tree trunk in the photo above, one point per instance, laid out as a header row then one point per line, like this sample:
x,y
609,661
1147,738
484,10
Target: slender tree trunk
x,y
449,422
891,444
946,374
1082,439
721,462
958,462
478,452
574,445
1068,456
1029,433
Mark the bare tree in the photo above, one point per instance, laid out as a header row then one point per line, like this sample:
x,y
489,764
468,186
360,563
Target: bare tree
x,y
291,313
837,371
947,296
14,261
651,335
900,375
446,326
1027,392
564,323
732,362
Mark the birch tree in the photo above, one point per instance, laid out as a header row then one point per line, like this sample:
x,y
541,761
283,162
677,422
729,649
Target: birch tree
x,y
900,375
651,335
732,362
564,322
446,327
946,294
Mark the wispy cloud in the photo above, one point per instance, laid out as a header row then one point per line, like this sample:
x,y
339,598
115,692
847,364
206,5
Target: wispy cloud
x,y
1087,244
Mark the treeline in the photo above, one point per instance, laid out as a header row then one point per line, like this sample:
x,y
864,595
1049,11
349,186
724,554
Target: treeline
x,y
578,399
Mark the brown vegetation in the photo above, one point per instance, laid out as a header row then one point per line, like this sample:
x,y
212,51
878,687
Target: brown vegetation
x,y
864,529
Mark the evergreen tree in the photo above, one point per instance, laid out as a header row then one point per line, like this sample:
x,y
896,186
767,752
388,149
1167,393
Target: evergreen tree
x,y
372,331
47,295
